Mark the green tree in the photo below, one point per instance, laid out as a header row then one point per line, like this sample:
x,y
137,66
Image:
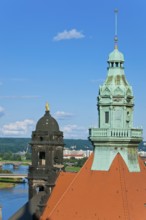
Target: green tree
x,y
7,156
28,156
16,157
81,162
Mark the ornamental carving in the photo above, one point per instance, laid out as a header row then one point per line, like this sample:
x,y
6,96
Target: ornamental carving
x,y
118,92
106,92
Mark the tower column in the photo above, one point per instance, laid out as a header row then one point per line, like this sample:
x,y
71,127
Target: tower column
x,y
116,133
43,171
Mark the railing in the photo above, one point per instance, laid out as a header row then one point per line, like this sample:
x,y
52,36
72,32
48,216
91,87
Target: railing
x,y
120,133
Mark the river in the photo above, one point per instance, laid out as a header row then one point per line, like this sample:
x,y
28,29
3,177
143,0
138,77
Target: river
x,y
12,199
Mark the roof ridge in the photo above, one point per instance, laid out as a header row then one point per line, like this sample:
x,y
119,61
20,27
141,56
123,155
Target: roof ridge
x,y
123,186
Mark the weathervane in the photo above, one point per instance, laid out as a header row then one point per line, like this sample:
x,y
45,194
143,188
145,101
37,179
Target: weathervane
x,y
116,29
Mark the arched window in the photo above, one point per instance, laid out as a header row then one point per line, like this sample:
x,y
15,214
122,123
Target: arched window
x,y
41,138
106,117
117,64
42,158
40,189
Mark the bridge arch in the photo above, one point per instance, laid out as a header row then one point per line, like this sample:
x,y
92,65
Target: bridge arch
x,y
14,164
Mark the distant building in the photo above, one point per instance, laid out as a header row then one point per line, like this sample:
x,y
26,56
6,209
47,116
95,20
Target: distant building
x,y
142,154
78,154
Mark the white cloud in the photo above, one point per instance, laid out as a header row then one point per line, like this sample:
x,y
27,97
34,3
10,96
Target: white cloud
x,y
18,128
63,115
2,111
68,35
75,132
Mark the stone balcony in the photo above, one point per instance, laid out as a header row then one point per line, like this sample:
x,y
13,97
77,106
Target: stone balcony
x,y
115,133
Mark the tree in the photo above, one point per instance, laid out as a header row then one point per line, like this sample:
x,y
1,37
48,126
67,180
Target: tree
x,y
28,156
81,162
7,156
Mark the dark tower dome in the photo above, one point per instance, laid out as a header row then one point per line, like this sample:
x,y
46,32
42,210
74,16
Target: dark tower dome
x,y
47,156
47,123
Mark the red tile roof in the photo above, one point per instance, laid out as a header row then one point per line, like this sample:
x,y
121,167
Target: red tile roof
x,y
114,195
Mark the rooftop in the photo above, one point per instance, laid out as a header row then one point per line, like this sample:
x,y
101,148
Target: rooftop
x,y
116,194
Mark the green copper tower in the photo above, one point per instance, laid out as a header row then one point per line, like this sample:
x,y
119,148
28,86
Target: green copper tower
x,y
115,133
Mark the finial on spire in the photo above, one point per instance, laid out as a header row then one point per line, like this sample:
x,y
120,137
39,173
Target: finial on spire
x,y
116,29
47,107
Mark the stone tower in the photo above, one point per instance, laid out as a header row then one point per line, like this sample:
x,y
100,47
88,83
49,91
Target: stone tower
x,y
115,118
47,155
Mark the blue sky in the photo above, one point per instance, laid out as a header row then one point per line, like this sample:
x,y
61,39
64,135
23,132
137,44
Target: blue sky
x,y
56,51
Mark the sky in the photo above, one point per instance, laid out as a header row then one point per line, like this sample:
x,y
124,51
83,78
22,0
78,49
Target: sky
x,y
56,51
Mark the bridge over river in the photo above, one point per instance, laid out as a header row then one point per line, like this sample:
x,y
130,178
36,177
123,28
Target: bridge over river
x,y
14,176
15,164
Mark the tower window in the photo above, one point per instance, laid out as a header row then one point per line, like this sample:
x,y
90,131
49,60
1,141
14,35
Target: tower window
x,y
117,64
42,158
106,117
40,189
41,138
112,64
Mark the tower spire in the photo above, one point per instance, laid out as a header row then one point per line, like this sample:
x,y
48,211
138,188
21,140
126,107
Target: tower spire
x,y
116,29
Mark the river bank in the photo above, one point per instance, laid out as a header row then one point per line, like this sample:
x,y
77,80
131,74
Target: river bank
x,y
13,196
9,182
12,199
4,185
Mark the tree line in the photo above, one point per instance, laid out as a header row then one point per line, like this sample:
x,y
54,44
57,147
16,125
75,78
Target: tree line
x,y
14,156
15,145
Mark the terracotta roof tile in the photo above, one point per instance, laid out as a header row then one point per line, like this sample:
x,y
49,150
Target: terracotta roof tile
x,y
101,195
62,183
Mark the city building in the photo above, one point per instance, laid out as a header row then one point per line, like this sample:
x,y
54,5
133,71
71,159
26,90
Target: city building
x,y
77,154
111,184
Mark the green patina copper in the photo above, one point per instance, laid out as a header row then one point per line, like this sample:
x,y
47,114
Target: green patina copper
x,y
116,55
104,156
116,95
115,119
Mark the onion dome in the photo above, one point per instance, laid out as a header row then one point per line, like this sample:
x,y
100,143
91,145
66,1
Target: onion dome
x,y
47,122
116,56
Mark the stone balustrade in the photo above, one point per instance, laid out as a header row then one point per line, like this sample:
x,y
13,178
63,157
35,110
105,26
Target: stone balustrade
x,y
120,133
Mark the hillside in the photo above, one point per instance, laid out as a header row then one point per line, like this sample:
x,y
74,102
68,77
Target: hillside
x,y
20,144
